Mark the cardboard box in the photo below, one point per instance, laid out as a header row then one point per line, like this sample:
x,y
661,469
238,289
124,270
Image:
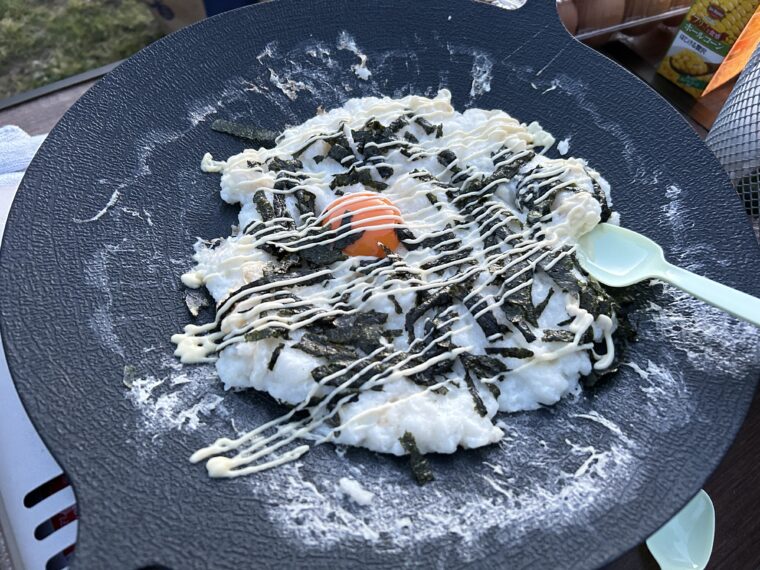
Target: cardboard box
x,y
703,40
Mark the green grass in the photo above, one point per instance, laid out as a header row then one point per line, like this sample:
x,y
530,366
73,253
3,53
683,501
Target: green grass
x,y
42,41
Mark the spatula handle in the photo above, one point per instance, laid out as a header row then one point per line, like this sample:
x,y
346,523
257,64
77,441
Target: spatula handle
x,y
730,300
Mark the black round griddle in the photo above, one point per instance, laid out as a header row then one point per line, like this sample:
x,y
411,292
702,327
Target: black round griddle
x,y
105,220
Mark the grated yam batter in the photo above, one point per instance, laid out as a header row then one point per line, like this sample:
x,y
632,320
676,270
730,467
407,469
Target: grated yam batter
x,y
482,308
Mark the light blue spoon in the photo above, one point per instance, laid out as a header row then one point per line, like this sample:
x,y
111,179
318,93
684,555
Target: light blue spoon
x,y
686,541
619,257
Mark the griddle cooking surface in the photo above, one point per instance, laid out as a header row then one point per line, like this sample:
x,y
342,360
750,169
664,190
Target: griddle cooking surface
x,y
103,227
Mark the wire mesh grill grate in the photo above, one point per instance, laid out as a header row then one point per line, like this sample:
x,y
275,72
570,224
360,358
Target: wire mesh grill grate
x,y
735,137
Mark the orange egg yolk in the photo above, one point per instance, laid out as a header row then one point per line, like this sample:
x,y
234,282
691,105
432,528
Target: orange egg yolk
x,y
368,210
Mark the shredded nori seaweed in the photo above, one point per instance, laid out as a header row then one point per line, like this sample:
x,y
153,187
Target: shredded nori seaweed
x,y
263,206
426,125
625,299
323,254
305,202
509,351
444,297
487,321
354,176
405,236
483,366
563,272
542,305
320,345
595,299
524,330
385,172
398,124
338,338
493,388
265,280
419,464
434,241
558,335
281,209
446,157
480,407
275,164
275,355
338,152
262,137
253,336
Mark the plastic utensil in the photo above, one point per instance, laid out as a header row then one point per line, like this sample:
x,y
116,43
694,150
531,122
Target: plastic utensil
x,y
619,257
686,541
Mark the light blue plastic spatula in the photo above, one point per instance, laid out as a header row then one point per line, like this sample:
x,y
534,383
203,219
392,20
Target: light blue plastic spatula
x,y
619,257
686,541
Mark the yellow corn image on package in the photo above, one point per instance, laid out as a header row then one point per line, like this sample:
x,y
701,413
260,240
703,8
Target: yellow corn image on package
x,y
704,38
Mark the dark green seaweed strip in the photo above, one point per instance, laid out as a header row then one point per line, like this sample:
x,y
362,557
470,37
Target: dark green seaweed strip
x,y
253,336
305,201
442,298
319,345
275,355
480,407
262,137
353,176
323,254
446,157
265,280
426,125
483,366
405,236
524,329
338,152
558,335
339,337
542,305
385,172
595,299
280,267
263,206
509,351
561,272
280,207
275,164
494,389
487,321
398,124
328,369
419,464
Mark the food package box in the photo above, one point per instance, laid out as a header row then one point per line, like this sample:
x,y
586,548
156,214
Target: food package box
x,y
704,38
